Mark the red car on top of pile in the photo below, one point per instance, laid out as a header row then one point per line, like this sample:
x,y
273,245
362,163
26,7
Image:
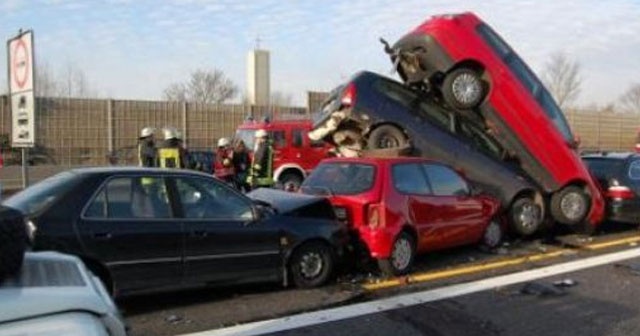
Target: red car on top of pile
x,y
466,64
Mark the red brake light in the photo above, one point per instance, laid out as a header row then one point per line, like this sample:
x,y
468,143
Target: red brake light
x,y
374,219
349,96
618,192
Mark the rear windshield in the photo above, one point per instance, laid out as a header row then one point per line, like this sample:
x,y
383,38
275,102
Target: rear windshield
x,y
341,178
634,170
41,195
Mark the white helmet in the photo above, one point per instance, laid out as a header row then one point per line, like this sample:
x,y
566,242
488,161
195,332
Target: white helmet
x,y
261,133
223,142
170,133
146,132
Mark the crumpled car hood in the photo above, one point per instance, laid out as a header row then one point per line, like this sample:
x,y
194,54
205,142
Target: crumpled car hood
x,y
285,202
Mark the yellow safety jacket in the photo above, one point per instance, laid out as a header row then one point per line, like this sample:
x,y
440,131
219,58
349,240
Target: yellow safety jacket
x,y
169,157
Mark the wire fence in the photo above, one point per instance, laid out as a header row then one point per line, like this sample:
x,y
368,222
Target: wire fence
x,y
72,132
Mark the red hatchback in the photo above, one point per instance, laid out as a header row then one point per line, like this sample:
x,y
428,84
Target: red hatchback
x,y
473,68
403,206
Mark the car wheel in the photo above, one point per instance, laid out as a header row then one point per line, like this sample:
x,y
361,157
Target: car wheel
x,y
386,136
311,265
525,216
570,205
291,181
463,88
13,243
493,234
401,259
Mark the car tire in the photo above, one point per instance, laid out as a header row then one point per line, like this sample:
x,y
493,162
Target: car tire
x,y
570,205
312,265
290,181
493,235
525,216
386,136
13,243
401,258
463,89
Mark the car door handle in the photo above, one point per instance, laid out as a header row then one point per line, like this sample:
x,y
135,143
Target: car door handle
x,y
103,235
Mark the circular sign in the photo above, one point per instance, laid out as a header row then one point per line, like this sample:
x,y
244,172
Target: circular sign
x,y
20,58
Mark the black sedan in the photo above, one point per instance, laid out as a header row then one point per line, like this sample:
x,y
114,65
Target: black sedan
x,y
619,177
145,229
374,112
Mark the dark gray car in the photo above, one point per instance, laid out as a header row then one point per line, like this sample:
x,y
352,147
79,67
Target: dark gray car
x,y
375,112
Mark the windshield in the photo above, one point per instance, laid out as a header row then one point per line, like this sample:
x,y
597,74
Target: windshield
x,y
247,136
42,194
342,178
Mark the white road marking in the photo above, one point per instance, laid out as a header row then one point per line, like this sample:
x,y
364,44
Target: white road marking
x,y
406,300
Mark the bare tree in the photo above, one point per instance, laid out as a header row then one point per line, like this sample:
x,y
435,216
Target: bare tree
x,y
282,99
561,76
630,100
72,82
204,86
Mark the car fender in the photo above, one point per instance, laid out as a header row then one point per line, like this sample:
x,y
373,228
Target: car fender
x,y
282,168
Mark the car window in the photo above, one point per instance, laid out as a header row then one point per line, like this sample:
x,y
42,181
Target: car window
x,y
634,170
445,182
202,198
409,178
247,136
278,139
493,40
480,139
296,138
556,115
130,198
341,178
396,92
41,195
436,115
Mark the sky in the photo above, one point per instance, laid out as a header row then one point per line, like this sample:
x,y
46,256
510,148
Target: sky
x,y
133,49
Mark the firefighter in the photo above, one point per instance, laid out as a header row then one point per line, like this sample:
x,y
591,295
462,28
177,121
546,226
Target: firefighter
x,y
172,153
261,170
147,152
241,162
223,166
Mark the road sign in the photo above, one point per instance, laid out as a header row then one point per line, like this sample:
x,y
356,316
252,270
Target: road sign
x,y
21,85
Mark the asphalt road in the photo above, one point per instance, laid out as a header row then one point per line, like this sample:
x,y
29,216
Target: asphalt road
x,y
603,301
213,308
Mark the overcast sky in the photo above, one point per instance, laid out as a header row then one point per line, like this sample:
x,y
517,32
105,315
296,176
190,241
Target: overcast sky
x,y
134,49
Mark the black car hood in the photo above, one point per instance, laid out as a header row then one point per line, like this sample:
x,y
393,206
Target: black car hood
x,y
284,201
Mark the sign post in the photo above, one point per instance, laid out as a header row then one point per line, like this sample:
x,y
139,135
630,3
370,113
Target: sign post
x,y
21,85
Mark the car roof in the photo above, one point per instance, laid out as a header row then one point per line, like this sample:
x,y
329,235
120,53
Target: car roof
x,y
50,283
275,124
134,169
610,155
377,160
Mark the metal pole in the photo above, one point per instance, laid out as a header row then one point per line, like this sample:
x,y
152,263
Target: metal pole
x,y
184,123
25,173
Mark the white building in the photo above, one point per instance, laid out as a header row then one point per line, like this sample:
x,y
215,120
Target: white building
x,y
258,77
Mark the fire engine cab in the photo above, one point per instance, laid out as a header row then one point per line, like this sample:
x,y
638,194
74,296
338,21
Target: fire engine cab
x,y
295,155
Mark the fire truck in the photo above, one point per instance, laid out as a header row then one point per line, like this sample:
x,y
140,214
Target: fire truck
x,y
295,155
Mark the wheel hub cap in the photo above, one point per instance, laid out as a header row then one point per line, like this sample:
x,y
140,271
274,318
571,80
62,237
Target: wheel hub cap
x,y
466,88
572,206
401,254
311,265
529,216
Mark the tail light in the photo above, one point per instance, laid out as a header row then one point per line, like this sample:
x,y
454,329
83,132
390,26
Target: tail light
x,y
619,192
374,216
349,96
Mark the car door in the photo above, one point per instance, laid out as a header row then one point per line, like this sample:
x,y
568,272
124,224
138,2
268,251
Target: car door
x,y
461,214
129,226
223,241
423,209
